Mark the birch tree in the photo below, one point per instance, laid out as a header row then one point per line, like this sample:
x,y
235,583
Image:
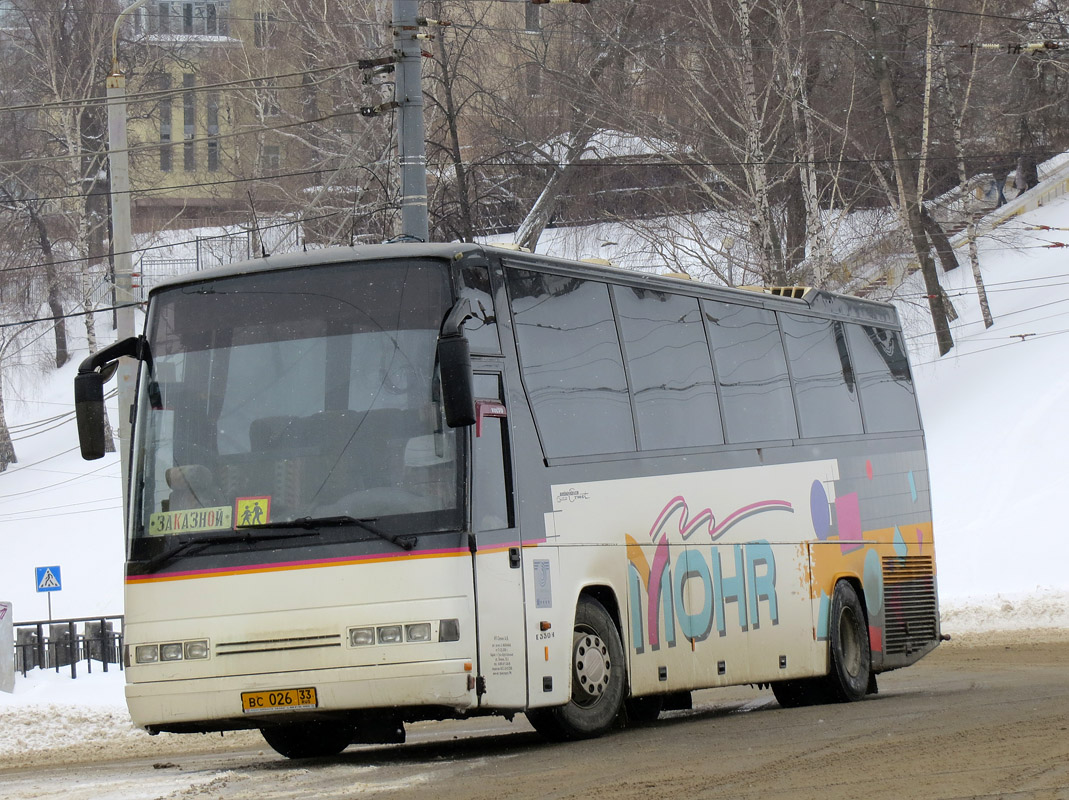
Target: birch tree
x,y
958,112
905,179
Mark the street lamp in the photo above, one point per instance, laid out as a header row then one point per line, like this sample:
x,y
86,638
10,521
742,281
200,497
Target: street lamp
x,y
121,240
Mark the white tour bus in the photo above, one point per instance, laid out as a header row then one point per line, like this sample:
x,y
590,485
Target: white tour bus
x,y
406,482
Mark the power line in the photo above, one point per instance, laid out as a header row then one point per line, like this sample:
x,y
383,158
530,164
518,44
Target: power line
x,y
80,476
156,94
983,14
17,516
80,259
71,315
146,146
989,349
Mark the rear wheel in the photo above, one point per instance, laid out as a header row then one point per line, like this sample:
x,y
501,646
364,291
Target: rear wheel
x,y
597,679
851,656
308,739
851,675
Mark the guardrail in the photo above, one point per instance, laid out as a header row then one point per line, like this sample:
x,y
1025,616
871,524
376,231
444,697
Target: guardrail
x,y
68,642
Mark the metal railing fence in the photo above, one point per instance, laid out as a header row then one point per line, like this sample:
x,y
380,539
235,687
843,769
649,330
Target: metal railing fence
x,y
54,644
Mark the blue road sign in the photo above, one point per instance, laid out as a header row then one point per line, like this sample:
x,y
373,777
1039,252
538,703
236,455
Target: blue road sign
x,y
48,579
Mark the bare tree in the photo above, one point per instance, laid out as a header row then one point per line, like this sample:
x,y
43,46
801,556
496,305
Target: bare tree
x,y
958,112
907,182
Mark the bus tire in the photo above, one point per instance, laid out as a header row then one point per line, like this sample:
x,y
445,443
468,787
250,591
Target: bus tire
x,y
851,656
597,679
308,739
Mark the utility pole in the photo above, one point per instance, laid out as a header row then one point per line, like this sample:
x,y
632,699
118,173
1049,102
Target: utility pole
x,y
411,145
121,241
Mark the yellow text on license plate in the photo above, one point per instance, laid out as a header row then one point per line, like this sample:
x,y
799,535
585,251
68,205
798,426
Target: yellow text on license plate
x,y
278,699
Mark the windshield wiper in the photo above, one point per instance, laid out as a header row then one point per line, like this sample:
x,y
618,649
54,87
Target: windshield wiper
x,y
167,556
315,523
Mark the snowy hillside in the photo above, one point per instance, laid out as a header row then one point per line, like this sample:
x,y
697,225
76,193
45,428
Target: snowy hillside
x,y
992,410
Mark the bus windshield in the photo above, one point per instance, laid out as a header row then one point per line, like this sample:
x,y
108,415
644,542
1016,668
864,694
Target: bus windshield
x,y
300,398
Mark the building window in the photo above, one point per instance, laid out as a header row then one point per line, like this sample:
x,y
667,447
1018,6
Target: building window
x,y
213,131
272,159
189,121
309,99
199,17
263,24
532,18
163,18
532,74
166,136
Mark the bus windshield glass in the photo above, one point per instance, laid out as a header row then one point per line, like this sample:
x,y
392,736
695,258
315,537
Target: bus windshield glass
x,y
303,399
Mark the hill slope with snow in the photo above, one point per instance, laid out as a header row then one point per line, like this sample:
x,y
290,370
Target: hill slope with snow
x,y
992,411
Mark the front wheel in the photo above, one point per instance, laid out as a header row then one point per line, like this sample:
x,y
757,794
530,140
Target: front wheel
x,y
308,739
597,679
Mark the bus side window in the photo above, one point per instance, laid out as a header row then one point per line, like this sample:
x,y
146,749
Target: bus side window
x,y
755,390
824,384
672,385
884,378
493,507
571,363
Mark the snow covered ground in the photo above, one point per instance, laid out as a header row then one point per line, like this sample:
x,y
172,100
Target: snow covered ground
x,y
997,430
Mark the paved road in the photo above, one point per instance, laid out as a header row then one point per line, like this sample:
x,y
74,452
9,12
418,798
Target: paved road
x,y
974,720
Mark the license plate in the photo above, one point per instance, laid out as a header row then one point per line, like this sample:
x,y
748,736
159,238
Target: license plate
x,y
278,700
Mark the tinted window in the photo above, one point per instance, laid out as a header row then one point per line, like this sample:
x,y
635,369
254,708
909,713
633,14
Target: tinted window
x,y
883,376
671,375
824,385
755,391
572,369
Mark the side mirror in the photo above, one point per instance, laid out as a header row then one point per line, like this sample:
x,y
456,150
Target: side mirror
x,y
89,410
458,396
93,373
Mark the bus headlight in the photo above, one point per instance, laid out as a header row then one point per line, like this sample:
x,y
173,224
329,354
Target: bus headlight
x,y
147,654
196,650
361,637
420,632
390,634
171,652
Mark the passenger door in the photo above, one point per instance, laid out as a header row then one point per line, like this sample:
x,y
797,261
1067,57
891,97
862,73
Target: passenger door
x,y
498,566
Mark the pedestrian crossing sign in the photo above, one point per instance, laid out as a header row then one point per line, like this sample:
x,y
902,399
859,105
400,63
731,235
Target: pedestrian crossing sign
x,y
49,579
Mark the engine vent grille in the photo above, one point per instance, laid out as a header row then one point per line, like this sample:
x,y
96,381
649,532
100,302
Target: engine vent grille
x,y
278,645
910,609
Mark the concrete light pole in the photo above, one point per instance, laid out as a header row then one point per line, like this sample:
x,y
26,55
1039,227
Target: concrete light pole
x,y
121,240
411,146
